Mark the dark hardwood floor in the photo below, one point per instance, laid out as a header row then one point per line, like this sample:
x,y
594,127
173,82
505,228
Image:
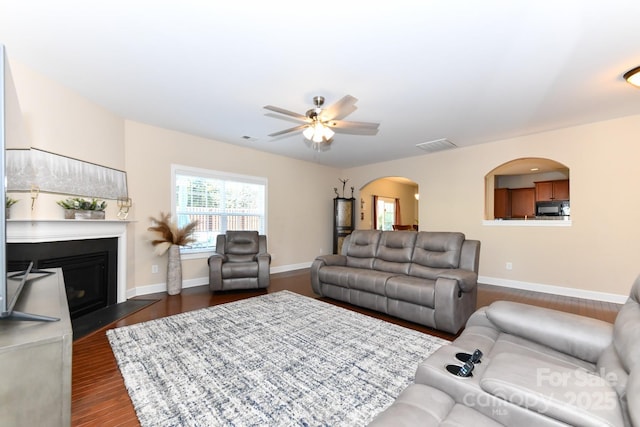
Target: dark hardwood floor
x,y
99,396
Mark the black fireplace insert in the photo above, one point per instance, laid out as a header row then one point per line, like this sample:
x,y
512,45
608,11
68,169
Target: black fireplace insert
x,y
89,267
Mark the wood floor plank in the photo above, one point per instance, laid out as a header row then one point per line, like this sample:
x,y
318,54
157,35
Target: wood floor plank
x,y
99,396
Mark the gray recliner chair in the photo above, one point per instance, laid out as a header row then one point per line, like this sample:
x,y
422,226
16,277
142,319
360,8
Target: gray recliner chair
x,y
241,261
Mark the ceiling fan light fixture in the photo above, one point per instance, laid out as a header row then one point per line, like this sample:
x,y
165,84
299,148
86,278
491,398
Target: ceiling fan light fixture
x,y
317,123
308,133
327,132
633,77
318,132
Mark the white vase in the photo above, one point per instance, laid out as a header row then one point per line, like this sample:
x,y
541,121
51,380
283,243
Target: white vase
x,y
174,271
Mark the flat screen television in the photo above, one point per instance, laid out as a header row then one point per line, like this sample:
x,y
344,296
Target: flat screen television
x,y
12,281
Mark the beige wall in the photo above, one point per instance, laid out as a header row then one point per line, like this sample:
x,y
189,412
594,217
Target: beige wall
x,y
299,196
62,122
598,253
58,120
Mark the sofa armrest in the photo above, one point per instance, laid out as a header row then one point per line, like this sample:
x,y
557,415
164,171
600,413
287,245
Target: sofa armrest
x,y
467,280
579,336
332,259
323,261
574,396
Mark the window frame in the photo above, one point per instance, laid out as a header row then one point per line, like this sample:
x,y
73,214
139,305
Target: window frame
x,y
188,253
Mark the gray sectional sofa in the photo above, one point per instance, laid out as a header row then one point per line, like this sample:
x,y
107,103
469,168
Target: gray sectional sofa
x,y
540,367
428,278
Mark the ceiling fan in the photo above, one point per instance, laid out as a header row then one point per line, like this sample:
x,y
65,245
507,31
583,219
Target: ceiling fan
x,y
320,124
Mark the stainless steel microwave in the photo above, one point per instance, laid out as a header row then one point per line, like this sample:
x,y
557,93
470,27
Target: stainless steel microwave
x,y
553,208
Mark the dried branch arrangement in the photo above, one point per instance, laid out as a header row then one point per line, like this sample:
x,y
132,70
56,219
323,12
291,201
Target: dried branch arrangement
x,y
170,233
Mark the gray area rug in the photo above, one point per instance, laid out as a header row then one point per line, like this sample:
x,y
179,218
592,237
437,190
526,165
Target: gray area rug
x,y
279,359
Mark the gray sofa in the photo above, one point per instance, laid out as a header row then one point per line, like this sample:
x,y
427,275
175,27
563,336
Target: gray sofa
x,y
540,367
428,278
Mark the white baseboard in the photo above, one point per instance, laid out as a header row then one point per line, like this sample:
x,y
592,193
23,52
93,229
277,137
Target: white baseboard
x,y
162,287
556,290
199,281
290,267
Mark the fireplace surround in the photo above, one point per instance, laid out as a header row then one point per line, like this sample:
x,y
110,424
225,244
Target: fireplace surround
x,y
38,231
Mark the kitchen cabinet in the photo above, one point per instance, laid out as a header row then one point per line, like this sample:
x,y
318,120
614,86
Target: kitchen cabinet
x,y
552,190
502,203
523,202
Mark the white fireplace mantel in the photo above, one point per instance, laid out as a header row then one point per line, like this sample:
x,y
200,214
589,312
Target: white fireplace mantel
x,y
55,230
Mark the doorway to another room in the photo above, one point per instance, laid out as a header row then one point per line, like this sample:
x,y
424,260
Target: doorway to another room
x,y
389,203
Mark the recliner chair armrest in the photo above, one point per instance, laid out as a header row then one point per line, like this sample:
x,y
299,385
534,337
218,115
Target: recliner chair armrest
x,y
467,280
262,257
574,396
264,269
215,271
221,257
579,336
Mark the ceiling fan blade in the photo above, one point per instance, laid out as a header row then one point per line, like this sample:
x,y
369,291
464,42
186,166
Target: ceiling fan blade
x,y
341,109
285,112
357,131
287,118
343,124
293,129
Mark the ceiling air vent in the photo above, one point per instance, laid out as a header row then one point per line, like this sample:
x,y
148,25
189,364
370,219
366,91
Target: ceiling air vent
x,y
436,145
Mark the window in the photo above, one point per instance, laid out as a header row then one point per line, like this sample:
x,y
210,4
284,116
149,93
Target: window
x,y
386,212
219,202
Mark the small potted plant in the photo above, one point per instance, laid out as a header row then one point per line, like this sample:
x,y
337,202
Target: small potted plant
x,y
78,208
8,202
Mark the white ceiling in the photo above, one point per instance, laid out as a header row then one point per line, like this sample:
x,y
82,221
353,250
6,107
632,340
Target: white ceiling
x,y
468,71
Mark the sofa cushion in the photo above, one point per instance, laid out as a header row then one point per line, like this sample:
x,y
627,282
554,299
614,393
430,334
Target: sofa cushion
x,y
411,289
611,369
626,331
232,270
421,405
362,248
507,343
371,281
573,396
438,249
581,337
632,397
336,275
395,251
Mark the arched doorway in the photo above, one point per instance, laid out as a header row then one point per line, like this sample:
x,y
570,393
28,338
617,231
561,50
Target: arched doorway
x,y
389,201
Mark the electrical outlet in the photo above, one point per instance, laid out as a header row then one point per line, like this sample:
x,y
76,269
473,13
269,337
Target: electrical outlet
x,y
154,268
509,266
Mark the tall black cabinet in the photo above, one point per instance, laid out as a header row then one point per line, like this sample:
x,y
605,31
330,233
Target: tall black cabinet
x,y
343,221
